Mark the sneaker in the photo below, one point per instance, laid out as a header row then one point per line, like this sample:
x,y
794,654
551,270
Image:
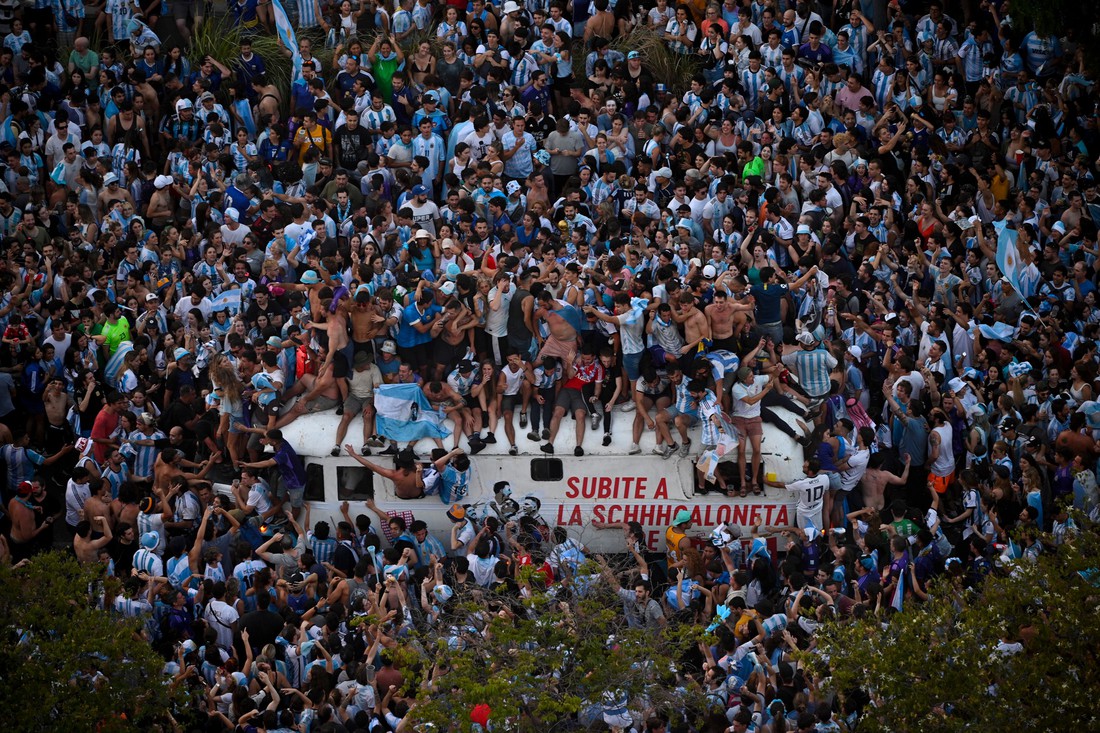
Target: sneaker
x,y
607,439
390,450
548,448
335,451
595,420
635,449
627,407
534,436
513,451
376,441
546,433
365,450
578,451
685,448
668,450
489,438
522,420
339,409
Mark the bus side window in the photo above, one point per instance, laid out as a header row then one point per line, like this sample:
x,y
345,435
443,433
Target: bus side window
x,y
354,483
315,482
547,469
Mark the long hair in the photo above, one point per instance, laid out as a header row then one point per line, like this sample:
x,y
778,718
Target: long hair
x,y
225,378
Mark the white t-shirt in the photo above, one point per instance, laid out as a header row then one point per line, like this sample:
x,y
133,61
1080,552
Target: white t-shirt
x,y
741,391
857,466
944,465
221,616
482,570
811,496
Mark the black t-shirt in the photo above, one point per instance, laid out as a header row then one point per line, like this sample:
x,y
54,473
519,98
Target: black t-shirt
x,y
352,145
177,413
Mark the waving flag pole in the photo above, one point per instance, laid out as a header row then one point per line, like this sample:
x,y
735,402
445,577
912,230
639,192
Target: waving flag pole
x,y
1008,260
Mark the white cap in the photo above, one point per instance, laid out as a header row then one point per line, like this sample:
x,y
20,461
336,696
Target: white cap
x,y
806,338
804,229
709,272
447,288
511,6
856,352
665,172
232,214
957,385
422,234
389,347
162,181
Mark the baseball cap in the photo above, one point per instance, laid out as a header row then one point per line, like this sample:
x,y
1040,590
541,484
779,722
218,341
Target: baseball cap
x,y
447,288
149,540
709,272
665,172
1009,423
806,338
420,190
389,347
431,97
162,181
109,179
310,277
957,385
25,488
206,97
232,214
275,342
465,365
422,233
183,104
682,517
633,55
856,352
456,513
803,229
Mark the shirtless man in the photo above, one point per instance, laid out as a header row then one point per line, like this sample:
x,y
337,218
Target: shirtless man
x,y
696,328
562,342
85,548
407,478
29,520
268,96
451,329
319,392
724,318
98,504
367,323
57,402
874,483
170,464
444,398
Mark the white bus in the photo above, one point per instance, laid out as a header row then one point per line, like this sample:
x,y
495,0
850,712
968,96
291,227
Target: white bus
x,y
605,485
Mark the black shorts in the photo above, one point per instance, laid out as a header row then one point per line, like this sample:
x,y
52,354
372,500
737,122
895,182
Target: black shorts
x,y
471,402
509,402
340,366
415,356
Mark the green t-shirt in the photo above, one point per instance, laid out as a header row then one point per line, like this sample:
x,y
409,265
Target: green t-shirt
x,y
115,334
904,528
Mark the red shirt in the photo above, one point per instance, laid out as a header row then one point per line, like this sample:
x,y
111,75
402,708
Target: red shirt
x,y
105,423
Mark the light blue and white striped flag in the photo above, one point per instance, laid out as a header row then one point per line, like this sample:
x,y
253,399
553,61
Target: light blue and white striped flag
x,y
284,28
404,413
899,592
1008,258
227,300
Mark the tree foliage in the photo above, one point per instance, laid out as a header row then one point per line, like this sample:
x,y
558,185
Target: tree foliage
x,y
64,664
937,667
549,667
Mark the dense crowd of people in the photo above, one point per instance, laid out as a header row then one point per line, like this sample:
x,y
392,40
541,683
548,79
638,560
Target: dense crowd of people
x,y
871,226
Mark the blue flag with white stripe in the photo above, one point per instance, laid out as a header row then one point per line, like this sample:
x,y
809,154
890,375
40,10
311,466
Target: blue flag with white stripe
x,y
404,414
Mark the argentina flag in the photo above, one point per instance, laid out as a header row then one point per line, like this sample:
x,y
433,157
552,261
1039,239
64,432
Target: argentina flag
x,y
1008,258
227,300
404,414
